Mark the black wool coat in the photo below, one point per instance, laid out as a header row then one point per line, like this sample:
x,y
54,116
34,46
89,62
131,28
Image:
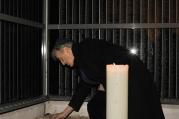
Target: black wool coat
x,y
92,56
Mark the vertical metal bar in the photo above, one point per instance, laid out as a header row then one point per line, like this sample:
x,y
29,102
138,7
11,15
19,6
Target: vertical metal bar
x,y
113,21
71,71
169,12
85,15
79,20
162,70
34,61
45,49
169,77
12,5
66,33
177,10
120,17
66,10
127,22
79,11
16,7
28,61
40,42
4,57
72,76
148,49
162,12
5,7
155,13
21,58
133,16
9,8
14,52
59,2
92,18
35,41
22,9
9,61
99,20
126,11
106,19
17,69
169,84
18,59
72,11
177,42
177,47
13,61
120,11
0,60
140,49
6,80
148,11
0,12
59,90
155,60
24,80
133,20
141,44
162,77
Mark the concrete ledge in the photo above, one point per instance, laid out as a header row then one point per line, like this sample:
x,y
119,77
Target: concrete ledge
x,y
25,113
171,111
38,111
58,106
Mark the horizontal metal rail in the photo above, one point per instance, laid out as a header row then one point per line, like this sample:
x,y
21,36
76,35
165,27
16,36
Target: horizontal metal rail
x,y
20,21
113,26
4,108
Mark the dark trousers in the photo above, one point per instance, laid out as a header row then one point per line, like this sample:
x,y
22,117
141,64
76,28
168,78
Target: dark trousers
x,y
97,106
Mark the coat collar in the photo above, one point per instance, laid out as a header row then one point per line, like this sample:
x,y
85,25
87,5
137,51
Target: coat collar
x,y
75,51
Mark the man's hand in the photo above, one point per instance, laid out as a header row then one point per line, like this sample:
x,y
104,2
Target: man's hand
x,y
63,115
58,116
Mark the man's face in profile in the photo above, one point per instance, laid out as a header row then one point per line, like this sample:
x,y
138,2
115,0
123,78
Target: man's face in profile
x,y
65,56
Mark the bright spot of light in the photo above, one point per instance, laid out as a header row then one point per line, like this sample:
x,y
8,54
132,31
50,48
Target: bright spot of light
x,y
133,51
43,49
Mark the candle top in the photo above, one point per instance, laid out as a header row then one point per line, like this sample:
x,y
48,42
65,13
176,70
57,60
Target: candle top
x,y
116,71
117,67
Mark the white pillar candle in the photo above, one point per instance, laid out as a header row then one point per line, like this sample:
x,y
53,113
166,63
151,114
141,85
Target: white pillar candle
x,y
117,91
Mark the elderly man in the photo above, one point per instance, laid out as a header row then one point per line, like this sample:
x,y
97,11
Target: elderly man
x,y
90,58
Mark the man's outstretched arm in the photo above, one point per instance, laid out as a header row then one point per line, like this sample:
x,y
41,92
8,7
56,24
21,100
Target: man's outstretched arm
x,y
63,115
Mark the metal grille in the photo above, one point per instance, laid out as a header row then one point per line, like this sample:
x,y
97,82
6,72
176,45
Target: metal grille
x,y
26,9
152,26
21,71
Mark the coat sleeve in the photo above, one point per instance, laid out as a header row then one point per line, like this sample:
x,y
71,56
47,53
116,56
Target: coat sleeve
x,y
80,95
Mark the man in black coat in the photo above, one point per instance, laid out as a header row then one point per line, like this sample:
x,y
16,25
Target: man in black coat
x,y
90,57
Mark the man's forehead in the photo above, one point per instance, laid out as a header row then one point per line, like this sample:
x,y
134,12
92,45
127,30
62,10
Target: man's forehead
x,y
59,51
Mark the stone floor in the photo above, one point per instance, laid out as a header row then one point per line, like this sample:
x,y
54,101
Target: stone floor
x,y
76,116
